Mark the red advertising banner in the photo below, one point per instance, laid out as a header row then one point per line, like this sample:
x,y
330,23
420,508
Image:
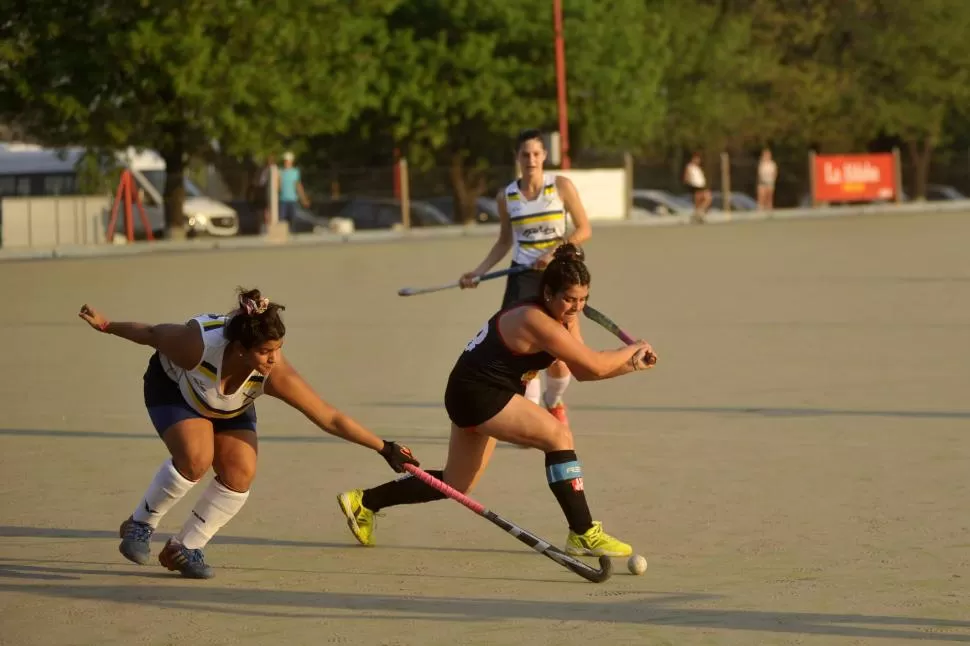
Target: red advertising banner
x,y
854,178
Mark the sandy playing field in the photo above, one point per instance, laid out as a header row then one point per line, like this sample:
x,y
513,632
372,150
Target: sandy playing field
x,y
795,469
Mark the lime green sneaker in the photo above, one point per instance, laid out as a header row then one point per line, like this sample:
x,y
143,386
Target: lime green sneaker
x,y
360,519
596,542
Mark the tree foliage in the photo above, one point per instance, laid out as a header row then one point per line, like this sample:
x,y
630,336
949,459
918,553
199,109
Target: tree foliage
x,y
463,77
916,63
181,75
450,82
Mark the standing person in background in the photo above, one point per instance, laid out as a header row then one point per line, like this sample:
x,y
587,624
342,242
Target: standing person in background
x,y
291,190
696,184
533,212
767,176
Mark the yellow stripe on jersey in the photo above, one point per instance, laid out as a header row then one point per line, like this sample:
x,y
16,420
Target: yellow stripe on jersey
x,y
542,217
549,188
208,370
212,325
209,411
512,197
539,244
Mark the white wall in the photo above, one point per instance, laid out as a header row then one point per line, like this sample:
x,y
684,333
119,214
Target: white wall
x,y
602,190
50,221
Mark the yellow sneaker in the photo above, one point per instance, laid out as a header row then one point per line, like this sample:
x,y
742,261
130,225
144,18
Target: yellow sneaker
x,y
596,542
360,519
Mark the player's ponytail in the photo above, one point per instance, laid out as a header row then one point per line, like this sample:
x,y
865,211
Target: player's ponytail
x,y
568,268
255,321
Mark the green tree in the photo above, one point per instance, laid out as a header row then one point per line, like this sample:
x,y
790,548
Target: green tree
x,y
617,55
463,77
716,80
179,75
813,95
913,61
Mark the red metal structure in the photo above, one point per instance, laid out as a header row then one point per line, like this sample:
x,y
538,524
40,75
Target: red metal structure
x,y
127,192
561,82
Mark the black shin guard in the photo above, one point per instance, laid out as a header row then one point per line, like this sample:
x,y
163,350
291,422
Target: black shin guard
x,y
565,476
403,491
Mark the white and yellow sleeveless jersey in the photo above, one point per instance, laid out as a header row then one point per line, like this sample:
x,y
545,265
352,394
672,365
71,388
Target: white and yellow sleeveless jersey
x,y
537,225
200,385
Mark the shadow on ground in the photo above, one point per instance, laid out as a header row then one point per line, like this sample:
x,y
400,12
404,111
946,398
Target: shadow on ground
x,y
656,609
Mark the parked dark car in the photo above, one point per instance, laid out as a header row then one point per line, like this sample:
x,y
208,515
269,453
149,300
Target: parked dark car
x,y
942,192
656,202
366,213
486,208
251,219
378,213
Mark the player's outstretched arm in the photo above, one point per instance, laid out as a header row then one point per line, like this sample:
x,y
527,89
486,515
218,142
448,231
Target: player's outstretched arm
x,y
585,363
286,384
180,342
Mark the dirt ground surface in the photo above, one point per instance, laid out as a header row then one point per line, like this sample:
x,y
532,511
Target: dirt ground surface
x,y
795,469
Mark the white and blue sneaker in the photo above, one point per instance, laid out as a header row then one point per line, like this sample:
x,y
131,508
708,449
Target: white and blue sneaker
x,y
136,541
190,563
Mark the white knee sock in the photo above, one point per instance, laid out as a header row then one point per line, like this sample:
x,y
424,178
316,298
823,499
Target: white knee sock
x,y
555,388
533,390
215,508
166,489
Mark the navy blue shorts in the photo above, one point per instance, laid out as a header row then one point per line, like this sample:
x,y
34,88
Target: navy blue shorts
x,y
166,406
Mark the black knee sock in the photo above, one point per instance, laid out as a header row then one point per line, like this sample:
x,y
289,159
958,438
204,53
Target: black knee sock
x,y
403,491
565,476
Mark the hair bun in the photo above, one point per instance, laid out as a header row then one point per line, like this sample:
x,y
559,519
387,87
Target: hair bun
x,y
569,251
251,302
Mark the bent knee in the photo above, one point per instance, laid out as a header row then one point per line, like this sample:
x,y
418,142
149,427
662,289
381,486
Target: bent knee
x,y
192,467
237,478
560,439
559,368
237,475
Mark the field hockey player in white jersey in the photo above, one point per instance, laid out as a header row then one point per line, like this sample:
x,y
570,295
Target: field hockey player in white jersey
x,y
532,223
200,387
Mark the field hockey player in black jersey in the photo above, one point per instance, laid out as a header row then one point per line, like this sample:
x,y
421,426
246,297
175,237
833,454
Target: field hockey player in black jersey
x,y
484,399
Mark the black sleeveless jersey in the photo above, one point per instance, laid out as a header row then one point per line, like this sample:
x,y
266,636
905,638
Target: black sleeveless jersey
x,y
488,360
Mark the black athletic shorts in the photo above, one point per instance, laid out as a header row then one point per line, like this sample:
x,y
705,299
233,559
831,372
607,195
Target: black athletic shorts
x,y
523,286
472,403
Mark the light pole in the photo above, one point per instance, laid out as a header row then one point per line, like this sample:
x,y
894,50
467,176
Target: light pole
x,y
561,83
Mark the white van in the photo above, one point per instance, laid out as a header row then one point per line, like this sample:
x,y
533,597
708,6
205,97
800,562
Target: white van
x,y
29,170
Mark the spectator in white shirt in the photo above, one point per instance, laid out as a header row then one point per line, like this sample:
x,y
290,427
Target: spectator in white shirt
x,y
696,184
767,175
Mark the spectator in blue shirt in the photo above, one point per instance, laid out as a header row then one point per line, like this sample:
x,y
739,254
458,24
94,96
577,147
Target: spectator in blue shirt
x,y
291,190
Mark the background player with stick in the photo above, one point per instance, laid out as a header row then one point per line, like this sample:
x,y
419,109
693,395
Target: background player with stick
x,y
532,222
484,399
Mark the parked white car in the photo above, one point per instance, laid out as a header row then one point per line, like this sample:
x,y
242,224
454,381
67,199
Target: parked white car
x,y
27,170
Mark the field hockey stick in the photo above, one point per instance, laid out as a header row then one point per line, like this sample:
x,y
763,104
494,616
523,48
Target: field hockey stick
x,y
412,291
607,322
575,565
604,320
